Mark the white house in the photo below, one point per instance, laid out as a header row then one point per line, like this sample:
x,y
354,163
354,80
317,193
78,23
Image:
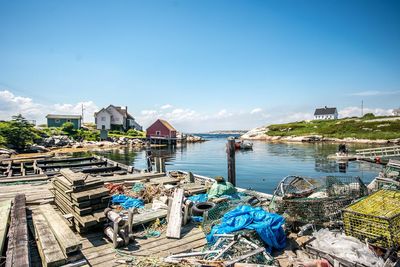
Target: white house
x,y
325,113
115,118
396,112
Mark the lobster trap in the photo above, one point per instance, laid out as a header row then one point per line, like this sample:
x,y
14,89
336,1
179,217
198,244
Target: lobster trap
x,y
324,204
376,218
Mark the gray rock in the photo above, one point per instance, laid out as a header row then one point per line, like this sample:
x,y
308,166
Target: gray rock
x,y
38,148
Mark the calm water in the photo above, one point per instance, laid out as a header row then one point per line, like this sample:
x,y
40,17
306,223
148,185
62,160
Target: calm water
x,y
260,169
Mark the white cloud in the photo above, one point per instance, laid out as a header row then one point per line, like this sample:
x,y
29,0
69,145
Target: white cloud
x,y
166,106
11,105
356,111
256,110
148,112
182,118
375,93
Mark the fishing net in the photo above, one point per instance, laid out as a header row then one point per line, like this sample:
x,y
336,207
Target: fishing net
x,y
213,216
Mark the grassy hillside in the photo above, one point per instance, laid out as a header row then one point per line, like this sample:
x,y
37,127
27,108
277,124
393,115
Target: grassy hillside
x,y
367,127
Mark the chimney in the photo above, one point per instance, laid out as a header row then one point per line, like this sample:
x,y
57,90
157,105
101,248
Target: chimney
x,y
127,121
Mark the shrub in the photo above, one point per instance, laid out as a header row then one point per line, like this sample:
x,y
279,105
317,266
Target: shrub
x,y
368,116
133,132
68,127
18,133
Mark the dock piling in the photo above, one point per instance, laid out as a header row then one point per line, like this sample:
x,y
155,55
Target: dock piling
x,y
230,151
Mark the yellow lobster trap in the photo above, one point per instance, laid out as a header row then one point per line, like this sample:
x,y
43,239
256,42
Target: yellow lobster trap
x,y
375,218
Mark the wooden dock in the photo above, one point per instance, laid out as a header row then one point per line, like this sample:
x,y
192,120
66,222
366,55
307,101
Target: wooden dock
x,y
381,152
96,249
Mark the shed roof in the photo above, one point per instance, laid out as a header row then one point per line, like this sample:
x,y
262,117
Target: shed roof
x,y
59,116
325,111
168,125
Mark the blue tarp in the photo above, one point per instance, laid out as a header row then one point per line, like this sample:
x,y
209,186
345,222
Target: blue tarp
x,y
127,202
204,197
199,198
267,225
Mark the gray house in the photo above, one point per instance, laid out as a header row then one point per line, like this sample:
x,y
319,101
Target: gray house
x,y
115,118
325,113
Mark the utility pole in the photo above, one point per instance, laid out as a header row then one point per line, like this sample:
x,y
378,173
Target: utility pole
x,y
82,113
362,108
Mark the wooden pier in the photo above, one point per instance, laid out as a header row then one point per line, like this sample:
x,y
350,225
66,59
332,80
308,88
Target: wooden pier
x,y
381,152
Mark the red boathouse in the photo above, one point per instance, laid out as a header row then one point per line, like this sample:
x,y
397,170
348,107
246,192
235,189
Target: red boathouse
x,y
161,130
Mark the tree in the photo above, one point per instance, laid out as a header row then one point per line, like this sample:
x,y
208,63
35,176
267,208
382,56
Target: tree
x,y
18,133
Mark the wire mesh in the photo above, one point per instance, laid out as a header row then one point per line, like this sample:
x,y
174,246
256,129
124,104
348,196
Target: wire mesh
x,y
376,218
336,193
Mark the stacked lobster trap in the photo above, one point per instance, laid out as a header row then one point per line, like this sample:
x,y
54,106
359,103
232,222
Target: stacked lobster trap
x,y
375,218
319,202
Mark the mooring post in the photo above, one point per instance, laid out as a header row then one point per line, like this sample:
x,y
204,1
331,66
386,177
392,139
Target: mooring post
x,y
148,157
230,151
162,165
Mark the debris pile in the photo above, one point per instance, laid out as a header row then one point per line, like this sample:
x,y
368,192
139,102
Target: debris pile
x,y
344,247
82,196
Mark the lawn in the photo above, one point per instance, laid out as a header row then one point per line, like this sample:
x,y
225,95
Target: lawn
x,y
360,128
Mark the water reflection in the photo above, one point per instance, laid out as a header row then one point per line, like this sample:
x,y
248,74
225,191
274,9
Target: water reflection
x,y
261,168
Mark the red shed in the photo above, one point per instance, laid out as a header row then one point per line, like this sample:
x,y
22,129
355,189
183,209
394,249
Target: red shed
x,y
161,128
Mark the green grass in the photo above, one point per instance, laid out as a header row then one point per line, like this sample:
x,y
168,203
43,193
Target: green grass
x,y
360,128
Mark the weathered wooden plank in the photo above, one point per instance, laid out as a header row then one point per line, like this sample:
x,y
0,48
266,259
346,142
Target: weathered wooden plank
x,y
5,207
73,165
18,248
49,249
57,160
90,183
65,237
26,178
132,177
175,215
142,218
164,180
73,177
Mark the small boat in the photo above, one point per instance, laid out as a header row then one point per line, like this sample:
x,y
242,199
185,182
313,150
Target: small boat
x,y
243,145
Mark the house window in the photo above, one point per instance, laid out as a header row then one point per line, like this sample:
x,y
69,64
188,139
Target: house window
x,y
103,118
158,133
68,120
57,121
103,127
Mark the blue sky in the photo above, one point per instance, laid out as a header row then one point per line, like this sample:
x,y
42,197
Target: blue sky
x,y
203,65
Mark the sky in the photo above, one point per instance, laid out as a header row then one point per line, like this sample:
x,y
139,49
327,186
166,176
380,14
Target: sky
x,y
202,65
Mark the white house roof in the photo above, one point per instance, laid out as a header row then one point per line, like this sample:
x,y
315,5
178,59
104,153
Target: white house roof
x,y
103,109
58,116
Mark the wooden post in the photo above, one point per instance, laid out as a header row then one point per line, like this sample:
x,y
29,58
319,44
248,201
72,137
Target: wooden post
x,y
157,164
148,157
162,165
230,151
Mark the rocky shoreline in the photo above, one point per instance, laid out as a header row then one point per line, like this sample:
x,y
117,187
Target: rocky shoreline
x,y
65,144
260,134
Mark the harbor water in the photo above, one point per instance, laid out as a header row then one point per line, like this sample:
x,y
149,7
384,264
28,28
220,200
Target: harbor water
x,y
260,169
